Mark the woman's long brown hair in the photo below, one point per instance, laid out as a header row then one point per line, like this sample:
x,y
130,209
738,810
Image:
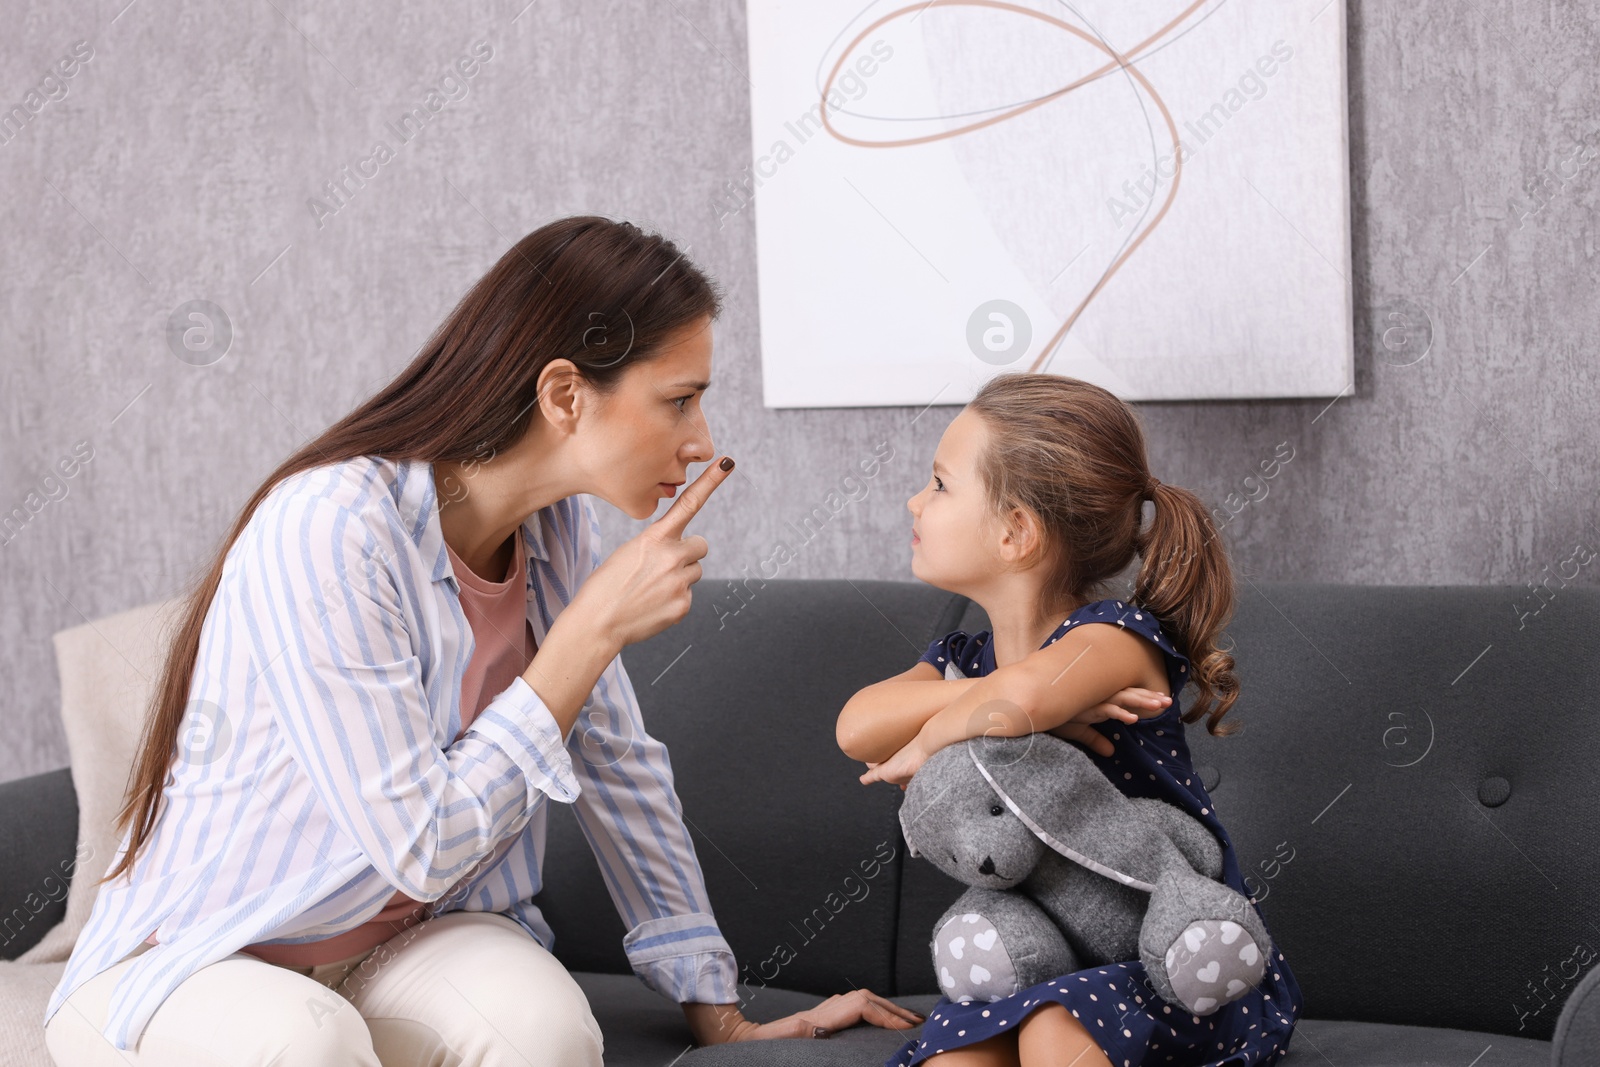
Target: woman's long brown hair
x,y
1073,455
601,293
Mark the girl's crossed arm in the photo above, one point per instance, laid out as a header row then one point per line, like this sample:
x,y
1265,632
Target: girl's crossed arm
x,y
879,720
1061,688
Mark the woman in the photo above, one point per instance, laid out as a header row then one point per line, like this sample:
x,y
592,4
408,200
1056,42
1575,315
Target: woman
x,y
377,687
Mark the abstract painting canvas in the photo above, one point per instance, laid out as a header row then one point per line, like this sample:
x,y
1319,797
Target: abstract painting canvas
x,y
1152,196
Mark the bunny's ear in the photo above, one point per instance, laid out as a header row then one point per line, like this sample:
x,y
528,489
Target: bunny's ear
x,y
1080,815
911,850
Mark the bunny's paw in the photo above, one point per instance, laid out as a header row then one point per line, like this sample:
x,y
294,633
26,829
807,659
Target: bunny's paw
x,y
971,960
993,943
1203,945
1214,962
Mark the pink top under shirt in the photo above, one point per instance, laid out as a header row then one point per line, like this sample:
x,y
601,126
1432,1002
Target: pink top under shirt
x,y
494,610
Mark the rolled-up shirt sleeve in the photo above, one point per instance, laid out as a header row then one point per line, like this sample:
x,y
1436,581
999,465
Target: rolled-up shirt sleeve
x,y
331,651
629,811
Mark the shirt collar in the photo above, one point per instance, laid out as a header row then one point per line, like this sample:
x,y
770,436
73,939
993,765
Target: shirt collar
x,y
417,498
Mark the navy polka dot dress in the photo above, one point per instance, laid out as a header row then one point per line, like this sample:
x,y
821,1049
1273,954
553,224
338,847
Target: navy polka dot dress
x,y
1115,1003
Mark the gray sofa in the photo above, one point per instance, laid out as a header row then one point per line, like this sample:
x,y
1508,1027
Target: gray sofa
x,y
1413,795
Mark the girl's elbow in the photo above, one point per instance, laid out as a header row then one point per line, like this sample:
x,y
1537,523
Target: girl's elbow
x,y
847,733
860,743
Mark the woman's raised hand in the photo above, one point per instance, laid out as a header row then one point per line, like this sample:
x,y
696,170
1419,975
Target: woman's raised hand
x,y
644,586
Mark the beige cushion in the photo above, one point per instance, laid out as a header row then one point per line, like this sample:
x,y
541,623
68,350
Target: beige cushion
x,y
25,989
109,669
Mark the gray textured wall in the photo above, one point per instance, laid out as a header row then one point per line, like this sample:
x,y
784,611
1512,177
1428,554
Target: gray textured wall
x,y
179,164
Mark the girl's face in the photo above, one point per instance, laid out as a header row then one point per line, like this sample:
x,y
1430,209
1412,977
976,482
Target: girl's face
x,y
955,536
644,434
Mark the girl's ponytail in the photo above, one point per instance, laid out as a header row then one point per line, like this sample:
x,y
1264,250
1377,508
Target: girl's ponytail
x,y
1186,581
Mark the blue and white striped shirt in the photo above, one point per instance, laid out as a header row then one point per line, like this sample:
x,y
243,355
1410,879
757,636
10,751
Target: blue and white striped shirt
x,y
316,773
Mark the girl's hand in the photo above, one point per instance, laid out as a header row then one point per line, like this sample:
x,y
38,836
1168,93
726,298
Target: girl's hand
x,y
899,767
1123,707
1087,736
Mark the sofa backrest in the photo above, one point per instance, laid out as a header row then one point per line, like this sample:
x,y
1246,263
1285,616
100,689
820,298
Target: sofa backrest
x,y
1411,795
802,862
1414,795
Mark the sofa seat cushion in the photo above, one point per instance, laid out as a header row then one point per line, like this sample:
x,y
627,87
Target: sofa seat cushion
x,y
644,1029
1317,1042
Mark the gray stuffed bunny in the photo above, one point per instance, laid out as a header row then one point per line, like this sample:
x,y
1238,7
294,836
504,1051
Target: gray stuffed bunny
x,y
1067,872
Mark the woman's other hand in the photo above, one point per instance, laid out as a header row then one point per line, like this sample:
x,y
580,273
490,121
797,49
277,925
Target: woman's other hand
x,y
714,1024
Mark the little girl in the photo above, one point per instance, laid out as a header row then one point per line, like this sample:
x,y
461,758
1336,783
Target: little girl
x,y
1034,505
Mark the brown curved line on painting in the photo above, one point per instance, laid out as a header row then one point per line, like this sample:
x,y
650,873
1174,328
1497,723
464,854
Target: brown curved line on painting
x,y
1117,60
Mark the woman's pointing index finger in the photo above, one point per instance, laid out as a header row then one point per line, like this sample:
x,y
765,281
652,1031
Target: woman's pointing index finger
x,y
693,498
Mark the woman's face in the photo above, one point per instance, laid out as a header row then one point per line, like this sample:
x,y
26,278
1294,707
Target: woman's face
x,y
642,436
954,533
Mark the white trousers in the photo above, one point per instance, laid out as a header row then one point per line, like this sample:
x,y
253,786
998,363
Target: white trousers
x,y
464,989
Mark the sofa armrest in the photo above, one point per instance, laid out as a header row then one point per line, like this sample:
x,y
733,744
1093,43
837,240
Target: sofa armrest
x,y
38,838
1576,1040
